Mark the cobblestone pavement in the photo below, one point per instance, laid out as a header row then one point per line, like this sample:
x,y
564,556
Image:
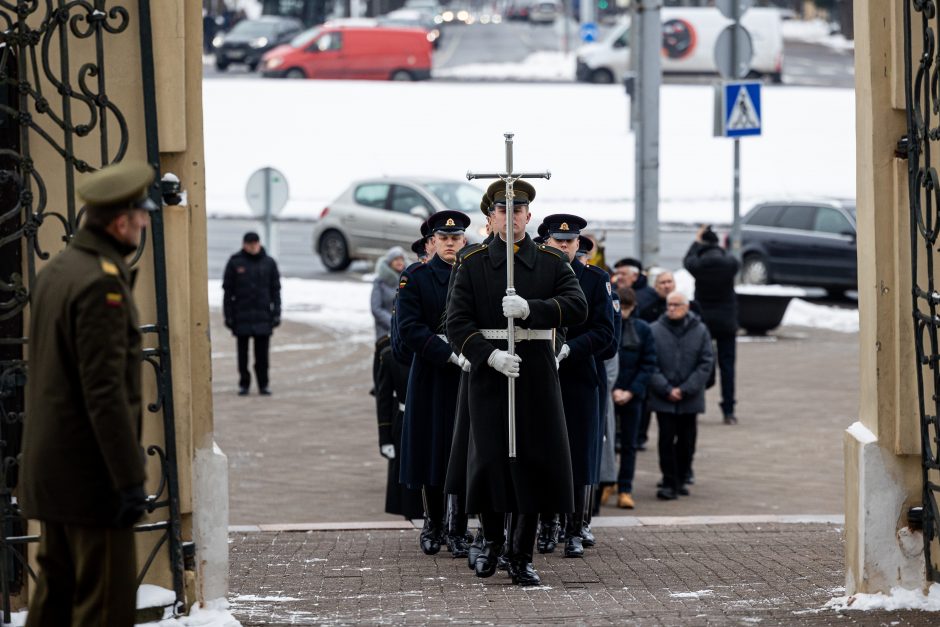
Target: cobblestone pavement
x,y
310,452
699,575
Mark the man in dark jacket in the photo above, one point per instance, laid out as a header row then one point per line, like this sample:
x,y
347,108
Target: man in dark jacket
x,y
628,272
252,307
547,297
83,467
714,270
684,362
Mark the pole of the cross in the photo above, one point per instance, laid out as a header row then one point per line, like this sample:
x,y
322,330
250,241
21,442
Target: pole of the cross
x,y
510,177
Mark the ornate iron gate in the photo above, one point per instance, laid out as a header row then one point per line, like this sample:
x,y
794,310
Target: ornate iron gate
x,y
50,97
921,76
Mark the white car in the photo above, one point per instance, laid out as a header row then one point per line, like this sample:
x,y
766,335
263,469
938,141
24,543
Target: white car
x,y
373,215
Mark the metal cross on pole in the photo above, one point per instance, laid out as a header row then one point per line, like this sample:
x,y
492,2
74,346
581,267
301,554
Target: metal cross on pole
x,y
510,178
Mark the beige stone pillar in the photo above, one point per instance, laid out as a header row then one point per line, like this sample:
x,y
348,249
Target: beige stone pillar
x,y
882,450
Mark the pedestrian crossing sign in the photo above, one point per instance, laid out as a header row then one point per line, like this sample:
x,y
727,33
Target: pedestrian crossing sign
x,y
738,109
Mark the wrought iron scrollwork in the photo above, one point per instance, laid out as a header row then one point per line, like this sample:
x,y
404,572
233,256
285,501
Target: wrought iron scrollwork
x,y
50,96
922,89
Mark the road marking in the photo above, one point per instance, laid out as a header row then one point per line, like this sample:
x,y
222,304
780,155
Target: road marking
x,y
441,59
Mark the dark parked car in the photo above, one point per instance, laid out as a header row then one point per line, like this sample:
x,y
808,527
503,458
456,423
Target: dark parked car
x,y
250,39
811,243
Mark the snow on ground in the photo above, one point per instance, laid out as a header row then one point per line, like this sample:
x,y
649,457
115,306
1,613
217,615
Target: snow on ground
x,y
545,65
343,306
815,32
325,134
899,599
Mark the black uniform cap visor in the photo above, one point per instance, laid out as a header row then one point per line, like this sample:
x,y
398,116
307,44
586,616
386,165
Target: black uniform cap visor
x,y
146,204
560,235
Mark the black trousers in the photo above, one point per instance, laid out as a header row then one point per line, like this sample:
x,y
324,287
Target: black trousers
x,y
677,434
630,416
262,344
87,577
727,347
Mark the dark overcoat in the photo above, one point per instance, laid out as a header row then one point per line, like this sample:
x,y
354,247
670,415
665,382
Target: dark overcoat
x,y
637,357
603,390
81,441
252,294
684,360
539,478
431,400
714,270
581,377
400,351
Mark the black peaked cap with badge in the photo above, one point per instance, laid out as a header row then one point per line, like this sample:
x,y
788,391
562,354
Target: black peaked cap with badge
x,y
449,222
417,247
524,193
585,245
563,226
119,186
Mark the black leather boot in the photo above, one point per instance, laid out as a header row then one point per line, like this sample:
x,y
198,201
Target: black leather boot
x,y
432,534
431,537
587,538
508,523
573,542
458,540
485,565
549,528
474,549
522,539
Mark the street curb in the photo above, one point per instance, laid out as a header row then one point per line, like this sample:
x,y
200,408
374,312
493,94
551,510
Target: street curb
x,y
599,522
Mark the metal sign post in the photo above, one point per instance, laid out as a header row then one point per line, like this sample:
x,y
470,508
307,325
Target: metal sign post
x,y
510,178
267,193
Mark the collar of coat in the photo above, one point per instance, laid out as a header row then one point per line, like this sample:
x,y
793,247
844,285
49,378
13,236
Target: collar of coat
x,y
526,253
441,269
102,244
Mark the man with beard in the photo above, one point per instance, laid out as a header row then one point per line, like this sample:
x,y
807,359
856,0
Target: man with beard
x,y
580,380
430,401
547,297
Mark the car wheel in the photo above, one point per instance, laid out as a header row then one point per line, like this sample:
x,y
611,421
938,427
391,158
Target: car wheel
x,y
221,65
602,76
836,293
295,72
755,271
402,75
776,78
334,252
252,67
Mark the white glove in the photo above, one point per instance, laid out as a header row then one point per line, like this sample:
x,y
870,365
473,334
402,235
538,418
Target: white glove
x,y
564,352
454,359
503,362
387,451
464,363
515,306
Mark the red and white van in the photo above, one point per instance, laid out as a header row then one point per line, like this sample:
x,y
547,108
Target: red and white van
x,y
352,52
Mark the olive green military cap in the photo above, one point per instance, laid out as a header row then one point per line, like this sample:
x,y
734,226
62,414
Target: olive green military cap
x,y
119,185
524,193
485,204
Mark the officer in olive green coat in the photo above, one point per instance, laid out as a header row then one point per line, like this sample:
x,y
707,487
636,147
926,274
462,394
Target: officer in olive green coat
x,y
82,463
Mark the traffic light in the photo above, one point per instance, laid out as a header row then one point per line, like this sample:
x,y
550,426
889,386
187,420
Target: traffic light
x,y
602,5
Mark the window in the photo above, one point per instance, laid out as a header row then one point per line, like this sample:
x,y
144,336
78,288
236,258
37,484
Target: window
x,y
831,221
329,41
797,217
456,196
404,199
623,41
372,195
763,216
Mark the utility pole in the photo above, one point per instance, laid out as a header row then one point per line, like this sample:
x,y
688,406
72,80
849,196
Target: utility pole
x,y
647,45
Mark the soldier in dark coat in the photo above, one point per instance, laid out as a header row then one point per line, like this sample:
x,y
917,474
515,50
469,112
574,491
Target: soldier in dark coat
x,y
580,378
252,307
83,468
714,270
431,399
547,297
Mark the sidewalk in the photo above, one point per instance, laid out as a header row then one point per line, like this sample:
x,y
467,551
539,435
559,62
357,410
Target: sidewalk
x,y
733,574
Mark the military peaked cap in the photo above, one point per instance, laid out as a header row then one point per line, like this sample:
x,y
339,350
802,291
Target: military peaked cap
x,y
585,245
563,225
417,247
523,192
451,222
118,185
485,205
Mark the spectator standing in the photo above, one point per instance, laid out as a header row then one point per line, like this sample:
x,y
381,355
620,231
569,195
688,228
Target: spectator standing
x,y
628,272
663,285
637,356
252,307
714,270
384,288
684,361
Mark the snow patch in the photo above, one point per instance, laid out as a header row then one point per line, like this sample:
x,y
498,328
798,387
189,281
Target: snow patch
x,y
899,599
803,314
214,614
154,596
253,598
864,435
547,65
815,32
692,595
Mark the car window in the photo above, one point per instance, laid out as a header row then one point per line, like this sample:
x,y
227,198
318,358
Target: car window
x,y
372,194
623,41
798,217
456,196
304,38
829,220
329,41
404,199
763,216
251,28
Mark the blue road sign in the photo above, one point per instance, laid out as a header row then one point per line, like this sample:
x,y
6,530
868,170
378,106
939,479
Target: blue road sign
x,y
741,115
589,32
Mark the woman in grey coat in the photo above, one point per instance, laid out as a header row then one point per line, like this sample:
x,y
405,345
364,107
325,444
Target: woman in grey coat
x,y
384,288
677,389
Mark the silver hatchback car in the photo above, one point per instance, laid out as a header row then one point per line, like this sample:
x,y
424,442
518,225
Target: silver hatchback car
x,y
373,215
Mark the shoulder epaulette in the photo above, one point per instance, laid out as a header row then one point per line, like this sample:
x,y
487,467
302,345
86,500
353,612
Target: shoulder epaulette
x,y
109,267
553,251
599,271
473,252
467,250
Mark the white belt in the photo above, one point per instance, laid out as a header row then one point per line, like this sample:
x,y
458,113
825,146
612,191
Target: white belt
x,y
521,334
401,407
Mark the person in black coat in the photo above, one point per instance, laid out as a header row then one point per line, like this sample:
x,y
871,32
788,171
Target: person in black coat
x,y
637,363
252,307
431,399
547,297
714,270
580,380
